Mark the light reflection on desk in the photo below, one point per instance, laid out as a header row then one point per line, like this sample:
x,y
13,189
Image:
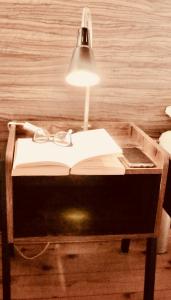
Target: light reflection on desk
x,y
77,219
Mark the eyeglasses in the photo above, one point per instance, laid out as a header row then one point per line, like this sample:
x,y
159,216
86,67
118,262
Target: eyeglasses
x,y
41,135
61,138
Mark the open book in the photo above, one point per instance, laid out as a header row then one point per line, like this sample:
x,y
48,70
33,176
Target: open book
x,y
93,152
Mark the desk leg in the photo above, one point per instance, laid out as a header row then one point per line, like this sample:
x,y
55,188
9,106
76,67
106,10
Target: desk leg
x,y
6,278
150,267
125,245
11,249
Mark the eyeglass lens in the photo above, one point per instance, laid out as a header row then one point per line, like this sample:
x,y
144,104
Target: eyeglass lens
x,y
62,138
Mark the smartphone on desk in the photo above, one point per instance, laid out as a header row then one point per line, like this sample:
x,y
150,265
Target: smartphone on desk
x,y
136,158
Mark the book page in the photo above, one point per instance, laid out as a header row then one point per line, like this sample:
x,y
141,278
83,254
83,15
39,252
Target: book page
x,y
101,165
27,152
41,170
92,143
86,144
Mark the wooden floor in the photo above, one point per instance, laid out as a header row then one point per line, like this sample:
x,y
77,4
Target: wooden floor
x,y
91,271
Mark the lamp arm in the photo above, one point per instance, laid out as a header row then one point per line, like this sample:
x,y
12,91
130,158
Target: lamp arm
x,y
87,22
86,108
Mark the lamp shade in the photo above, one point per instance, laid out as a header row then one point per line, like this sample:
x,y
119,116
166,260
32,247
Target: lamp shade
x,y
82,69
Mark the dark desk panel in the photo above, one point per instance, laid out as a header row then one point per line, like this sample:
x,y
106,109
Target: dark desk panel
x,y
85,205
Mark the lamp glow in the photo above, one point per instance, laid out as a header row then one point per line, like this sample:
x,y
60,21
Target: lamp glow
x,y
76,215
80,77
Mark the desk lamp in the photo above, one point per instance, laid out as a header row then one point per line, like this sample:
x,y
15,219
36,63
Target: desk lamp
x,y
82,69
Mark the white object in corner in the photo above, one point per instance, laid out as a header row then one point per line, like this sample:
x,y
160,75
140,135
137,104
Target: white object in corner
x,y
168,111
165,140
162,243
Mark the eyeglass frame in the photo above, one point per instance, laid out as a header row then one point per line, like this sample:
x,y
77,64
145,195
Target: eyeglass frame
x,y
50,137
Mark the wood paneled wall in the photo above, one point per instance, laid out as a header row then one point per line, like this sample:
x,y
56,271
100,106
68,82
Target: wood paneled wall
x,y
132,46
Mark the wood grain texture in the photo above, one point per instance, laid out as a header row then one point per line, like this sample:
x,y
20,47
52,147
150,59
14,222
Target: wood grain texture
x,y
132,46
95,271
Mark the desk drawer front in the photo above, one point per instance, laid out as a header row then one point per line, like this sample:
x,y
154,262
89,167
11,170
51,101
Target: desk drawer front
x,y
85,205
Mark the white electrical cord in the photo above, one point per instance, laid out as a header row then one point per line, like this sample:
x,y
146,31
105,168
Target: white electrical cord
x,y
30,127
26,125
31,257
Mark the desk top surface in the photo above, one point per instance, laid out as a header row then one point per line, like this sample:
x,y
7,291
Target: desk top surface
x,y
125,134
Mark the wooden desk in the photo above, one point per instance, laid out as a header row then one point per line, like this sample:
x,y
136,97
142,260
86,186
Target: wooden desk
x,y
119,206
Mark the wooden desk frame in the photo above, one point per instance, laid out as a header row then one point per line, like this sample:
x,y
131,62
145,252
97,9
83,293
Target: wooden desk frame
x,y
126,134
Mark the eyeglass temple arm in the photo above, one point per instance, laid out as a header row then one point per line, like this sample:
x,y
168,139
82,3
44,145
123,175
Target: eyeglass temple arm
x,y
69,133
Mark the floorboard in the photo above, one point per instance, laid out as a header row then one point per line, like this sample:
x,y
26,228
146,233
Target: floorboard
x,y
92,271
